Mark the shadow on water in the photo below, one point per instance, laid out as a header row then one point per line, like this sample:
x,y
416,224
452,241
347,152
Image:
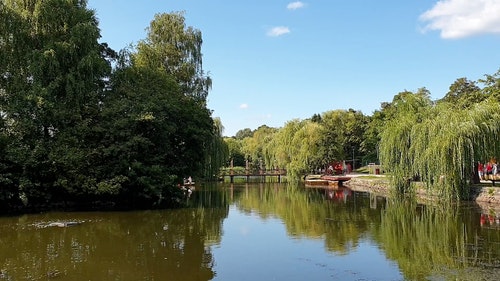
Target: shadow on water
x,y
425,242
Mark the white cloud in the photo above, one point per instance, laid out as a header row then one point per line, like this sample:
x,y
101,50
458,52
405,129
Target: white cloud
x,y
243,106
278,31
462,18
295,5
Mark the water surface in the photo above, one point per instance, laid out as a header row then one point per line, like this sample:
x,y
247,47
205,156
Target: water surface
x,y
257,231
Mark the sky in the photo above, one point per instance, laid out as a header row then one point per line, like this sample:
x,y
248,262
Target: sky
x,y
273,61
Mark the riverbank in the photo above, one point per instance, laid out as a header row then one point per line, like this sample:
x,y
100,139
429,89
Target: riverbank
x,y
484,194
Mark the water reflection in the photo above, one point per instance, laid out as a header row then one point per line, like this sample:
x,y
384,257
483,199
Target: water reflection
x,y
171,245
437,241
404,240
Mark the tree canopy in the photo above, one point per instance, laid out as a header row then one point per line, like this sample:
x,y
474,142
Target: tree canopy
x,y
439,144
75,131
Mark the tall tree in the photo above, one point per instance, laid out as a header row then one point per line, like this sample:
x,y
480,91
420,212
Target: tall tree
x,y
52,72
406,110
151,136
176,49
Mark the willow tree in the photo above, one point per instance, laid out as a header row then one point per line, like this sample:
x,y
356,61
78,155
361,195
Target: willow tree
x,y
439,144
408,109
304,149
458,139
217,152
295,147
254,146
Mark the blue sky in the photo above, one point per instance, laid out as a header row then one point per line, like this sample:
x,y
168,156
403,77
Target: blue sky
x,y
273,61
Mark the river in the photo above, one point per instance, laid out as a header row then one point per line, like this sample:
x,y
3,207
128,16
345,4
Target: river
x,y
257,231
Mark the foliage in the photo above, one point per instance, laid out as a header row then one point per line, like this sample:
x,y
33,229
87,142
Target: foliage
x,y
371,137
244,133
53,71
439,144
304,146
176,49
295,147
72,131
463,94
151,133
342,135
253,147
408,109
217,152
235,153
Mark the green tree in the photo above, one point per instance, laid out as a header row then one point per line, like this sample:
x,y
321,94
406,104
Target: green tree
x,y
316,118
438,144
371,137
217,152
406,110
463,93
244,133
152,135
235,152
491,85
342,134
52,73
176,49
70,130
253,146
333,138
295,147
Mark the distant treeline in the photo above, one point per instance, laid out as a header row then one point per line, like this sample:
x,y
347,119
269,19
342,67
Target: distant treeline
x,y
81,124
414,138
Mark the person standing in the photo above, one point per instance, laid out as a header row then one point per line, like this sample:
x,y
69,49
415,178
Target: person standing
x,y
489,170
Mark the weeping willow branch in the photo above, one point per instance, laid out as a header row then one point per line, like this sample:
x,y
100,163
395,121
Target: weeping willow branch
x,y
439,145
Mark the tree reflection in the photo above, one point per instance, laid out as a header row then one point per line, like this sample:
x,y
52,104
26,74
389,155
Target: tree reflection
x,y
424,240
436,241
149,245
314,213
